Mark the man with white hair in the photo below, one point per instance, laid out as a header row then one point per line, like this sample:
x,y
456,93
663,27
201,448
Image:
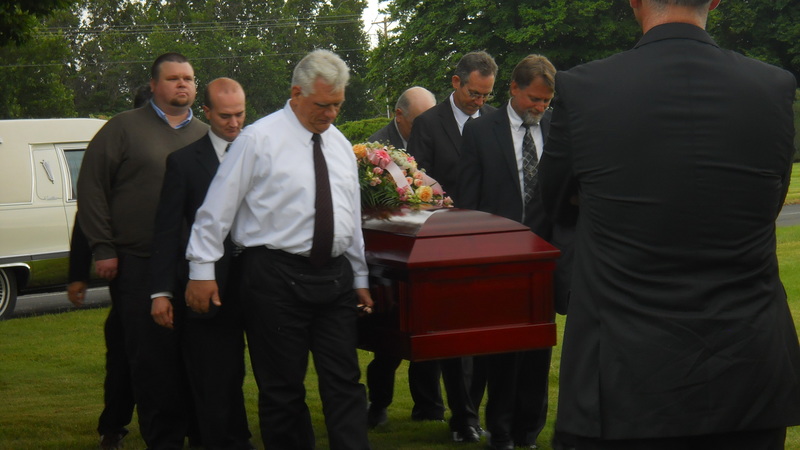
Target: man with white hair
x,y
288,192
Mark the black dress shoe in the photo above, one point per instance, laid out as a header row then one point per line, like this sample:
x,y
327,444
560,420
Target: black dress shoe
x,y
467,434
376,416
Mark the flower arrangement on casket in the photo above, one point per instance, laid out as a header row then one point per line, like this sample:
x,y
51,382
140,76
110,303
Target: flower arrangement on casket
x,y
390,179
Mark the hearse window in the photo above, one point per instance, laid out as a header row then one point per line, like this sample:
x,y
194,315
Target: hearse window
x,y
74,157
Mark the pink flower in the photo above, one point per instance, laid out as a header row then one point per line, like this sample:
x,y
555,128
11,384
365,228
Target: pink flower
x,y
377,170
380,158
375,182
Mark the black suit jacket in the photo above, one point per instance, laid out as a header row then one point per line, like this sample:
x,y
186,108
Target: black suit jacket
x,y
388,135
189,173
488,181
678,323
488,173
435,143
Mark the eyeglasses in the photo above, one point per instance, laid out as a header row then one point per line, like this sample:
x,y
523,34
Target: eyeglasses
x,y
477,95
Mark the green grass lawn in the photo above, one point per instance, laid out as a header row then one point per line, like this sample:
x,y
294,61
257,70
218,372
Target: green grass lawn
x,y
51,374
793,197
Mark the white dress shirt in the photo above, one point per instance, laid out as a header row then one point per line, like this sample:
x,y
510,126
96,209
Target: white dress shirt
x,y
518,134
264,194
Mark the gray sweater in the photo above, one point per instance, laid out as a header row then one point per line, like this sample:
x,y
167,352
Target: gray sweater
x,y
121,176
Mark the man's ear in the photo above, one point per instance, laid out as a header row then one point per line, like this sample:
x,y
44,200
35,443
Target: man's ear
x,y
456,82
713,5
296,91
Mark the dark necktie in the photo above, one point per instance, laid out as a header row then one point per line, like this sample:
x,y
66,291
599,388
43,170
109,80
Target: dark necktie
x,y
323,219
227,147
530,163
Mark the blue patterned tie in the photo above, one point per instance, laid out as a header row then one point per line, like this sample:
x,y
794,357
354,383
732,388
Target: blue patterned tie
x,y
530,164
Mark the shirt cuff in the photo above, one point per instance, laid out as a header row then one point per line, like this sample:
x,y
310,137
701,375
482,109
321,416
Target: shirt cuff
x,y
201,271
161,294
361,282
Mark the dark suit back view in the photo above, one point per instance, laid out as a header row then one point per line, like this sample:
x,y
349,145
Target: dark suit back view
x,y
678,323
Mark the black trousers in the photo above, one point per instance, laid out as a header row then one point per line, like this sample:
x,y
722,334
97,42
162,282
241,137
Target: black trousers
x,y
456,374
425,387
117,389
157,374
213,352
380,379
423,382
517,386
292,308
773,439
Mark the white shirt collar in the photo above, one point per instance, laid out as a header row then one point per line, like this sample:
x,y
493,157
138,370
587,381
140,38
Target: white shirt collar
x,y
460,116
220,145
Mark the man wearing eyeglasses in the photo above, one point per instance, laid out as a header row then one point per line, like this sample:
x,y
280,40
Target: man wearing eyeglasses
x,y
435,142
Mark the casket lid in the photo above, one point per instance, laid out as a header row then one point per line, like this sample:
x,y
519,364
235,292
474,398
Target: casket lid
x,y
450,237
440,222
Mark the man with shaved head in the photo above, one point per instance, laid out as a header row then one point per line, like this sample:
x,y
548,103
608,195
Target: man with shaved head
x,y
212,343
425,390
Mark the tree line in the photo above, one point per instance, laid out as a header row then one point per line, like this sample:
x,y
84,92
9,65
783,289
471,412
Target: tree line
x,y
60,58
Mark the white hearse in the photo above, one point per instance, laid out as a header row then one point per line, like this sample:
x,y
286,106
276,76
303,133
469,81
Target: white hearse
x,y
39,164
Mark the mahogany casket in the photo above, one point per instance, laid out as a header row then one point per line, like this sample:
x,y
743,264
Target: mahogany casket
x,y
454,282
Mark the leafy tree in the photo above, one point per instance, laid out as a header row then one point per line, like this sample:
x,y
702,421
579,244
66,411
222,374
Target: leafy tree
x,y
768,30
18,18
111,44
34,85
430,36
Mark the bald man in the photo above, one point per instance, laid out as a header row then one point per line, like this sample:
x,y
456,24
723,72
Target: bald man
x,y
411,103
212,343
423,379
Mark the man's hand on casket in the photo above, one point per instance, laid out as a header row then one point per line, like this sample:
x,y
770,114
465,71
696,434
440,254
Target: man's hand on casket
x,y
200,292
364,301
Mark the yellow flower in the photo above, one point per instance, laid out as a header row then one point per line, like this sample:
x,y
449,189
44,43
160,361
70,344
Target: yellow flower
x,y
425,193
360,150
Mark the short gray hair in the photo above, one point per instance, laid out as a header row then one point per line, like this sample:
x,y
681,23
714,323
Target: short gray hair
x,y
320,64
475,61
